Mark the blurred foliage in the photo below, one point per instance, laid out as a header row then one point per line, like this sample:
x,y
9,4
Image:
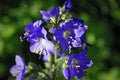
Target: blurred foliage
x,y
102,17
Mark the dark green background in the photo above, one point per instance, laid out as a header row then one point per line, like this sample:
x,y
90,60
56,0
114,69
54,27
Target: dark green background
x,y
102,17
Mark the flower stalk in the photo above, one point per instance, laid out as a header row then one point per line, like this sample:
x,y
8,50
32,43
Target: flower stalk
x,y
56,53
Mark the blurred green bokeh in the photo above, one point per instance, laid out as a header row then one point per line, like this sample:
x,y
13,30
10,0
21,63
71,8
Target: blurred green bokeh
x,y
102,17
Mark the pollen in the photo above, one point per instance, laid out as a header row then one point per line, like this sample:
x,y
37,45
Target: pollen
x,y
70,47
77,66
75,41
71,37
13,75
68,42
40,52
35,50
26,33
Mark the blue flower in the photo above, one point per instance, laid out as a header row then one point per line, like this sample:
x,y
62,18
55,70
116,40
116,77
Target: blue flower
x,y
44,47
78,63
37,36
70,34
19,69
68,5
31,29
47,15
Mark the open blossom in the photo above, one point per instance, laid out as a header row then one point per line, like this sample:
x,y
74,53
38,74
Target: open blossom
x,y
37,36
78,63
70,34
47,15
30,29
19,69
72,72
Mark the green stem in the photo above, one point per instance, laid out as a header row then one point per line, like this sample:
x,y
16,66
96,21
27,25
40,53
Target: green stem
x,y
50,68
53,60
46,75
56,53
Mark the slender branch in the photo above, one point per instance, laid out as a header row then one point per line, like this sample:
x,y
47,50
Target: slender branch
x,y
46,75
56,53
50,68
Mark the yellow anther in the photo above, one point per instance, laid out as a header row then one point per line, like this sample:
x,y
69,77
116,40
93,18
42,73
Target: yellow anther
x,y
35,50
71,37
13,75
40,52
77,66
68,42
75,41
26,33
70,47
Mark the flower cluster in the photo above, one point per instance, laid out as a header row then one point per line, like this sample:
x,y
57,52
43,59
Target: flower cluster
x,y
57,34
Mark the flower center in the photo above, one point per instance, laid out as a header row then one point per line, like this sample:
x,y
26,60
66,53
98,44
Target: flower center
x,y
37,50
74,62
66,34
42,40
77,66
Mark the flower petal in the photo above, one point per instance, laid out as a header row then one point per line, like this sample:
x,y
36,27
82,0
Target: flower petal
x,y
43,44
45,15
19,60
54,11
66,73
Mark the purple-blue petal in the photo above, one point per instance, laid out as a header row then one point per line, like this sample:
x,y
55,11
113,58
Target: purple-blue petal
x,y
45,15
77,43
68,4
54,11
19,61
35,36
29,29
81,59
90,63
19,69
42,44
66,73
79,32
70,33
67,25
64,44
77,20
37,24
33,31
46,55
52,30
